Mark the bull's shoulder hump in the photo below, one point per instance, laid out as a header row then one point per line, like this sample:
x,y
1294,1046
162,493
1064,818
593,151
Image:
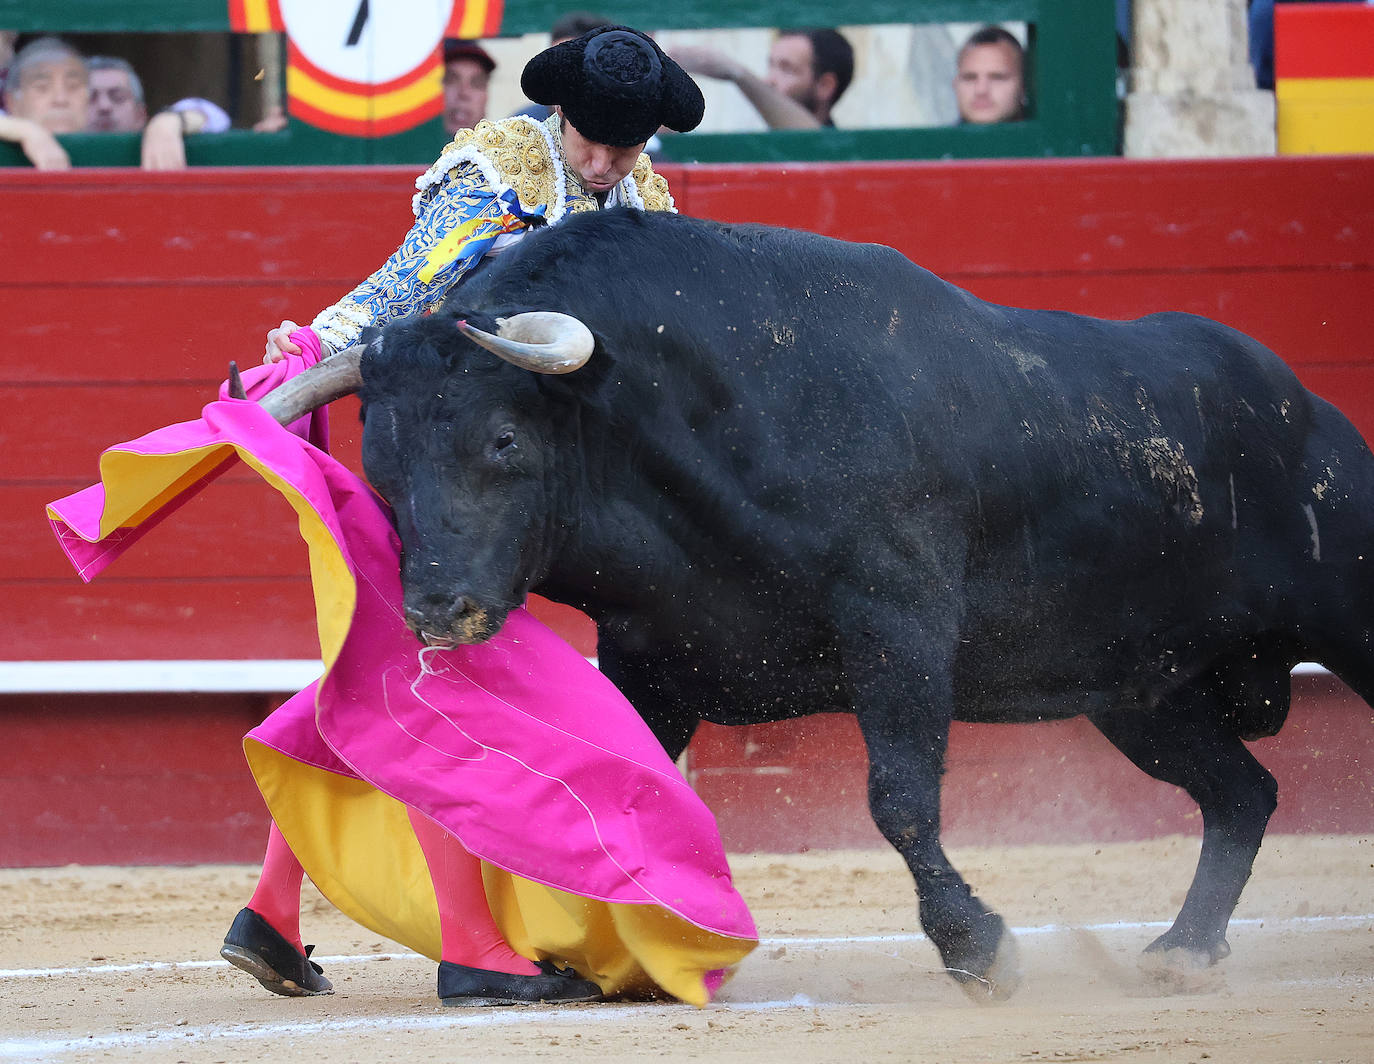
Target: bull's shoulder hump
x,y
885,257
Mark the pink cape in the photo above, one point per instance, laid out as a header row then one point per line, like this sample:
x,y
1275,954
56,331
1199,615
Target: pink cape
x,y
518,746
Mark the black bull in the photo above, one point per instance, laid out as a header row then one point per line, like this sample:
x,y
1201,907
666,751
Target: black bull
x,y
799,475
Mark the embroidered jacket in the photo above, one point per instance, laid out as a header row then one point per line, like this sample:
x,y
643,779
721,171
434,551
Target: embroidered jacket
x,y
477,198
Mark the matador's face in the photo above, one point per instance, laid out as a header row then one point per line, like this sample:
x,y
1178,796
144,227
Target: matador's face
x,y
599,167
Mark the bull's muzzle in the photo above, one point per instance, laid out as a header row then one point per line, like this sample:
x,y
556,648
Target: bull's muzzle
x,y
459,622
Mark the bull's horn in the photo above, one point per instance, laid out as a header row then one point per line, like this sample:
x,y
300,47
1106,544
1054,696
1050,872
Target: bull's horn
x,y
542,341
329,379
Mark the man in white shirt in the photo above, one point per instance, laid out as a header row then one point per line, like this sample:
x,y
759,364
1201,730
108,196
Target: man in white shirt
x,y
117,106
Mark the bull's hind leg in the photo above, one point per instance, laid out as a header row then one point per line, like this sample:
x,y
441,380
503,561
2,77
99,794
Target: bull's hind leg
x,y
906,752
1190,745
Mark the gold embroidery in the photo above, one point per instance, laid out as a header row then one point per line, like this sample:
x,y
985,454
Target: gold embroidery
x,y
518,152
489,135
653,188
655,193
519,155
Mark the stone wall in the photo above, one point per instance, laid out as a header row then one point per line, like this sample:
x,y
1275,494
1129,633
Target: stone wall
x,y
1192,89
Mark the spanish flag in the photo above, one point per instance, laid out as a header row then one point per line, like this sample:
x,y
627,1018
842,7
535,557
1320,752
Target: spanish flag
x,y
255,16
1324,78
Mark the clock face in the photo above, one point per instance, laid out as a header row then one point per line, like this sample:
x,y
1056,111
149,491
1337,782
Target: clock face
x,y
367,42
365,68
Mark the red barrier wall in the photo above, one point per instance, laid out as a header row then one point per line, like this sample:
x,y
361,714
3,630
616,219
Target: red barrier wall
x,y
124,294
161,779
803,784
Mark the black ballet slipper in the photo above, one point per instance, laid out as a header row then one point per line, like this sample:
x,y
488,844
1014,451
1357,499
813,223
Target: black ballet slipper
x,y
460,985
256,947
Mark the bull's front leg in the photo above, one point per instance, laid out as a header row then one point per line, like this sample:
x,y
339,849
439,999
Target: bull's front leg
x,y
905,723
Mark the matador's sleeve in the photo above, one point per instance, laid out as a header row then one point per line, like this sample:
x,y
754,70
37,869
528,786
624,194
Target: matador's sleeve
x,y
456,222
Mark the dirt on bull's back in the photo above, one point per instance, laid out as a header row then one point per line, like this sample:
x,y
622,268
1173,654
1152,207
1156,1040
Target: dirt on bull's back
x,y
842,974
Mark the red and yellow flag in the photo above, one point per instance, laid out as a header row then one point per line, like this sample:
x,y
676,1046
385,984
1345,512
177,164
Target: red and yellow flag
x,y
1324,78
255,16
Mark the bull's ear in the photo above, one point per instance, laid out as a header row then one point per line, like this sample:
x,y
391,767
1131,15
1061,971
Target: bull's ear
x,y
542,341
371,338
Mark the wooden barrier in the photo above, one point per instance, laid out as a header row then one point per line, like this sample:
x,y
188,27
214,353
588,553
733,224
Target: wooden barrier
x,y
124,295
803,784
160,779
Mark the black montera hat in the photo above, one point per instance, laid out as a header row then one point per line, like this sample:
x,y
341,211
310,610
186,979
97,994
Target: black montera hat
x,y
615,86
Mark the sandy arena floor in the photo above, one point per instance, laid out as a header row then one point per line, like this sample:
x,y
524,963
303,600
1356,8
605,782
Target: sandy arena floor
x,y
113,964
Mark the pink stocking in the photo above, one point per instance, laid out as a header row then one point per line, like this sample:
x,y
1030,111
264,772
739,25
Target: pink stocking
x,y
467,931
277,898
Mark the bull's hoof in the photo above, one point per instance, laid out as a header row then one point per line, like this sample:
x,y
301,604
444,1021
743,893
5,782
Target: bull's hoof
x,y
1001,978
1178,968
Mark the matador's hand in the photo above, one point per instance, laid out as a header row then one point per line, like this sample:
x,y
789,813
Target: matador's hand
x,y
279,343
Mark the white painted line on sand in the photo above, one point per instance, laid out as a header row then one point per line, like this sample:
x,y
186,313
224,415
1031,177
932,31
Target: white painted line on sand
x,y
174,966
1292,922
41,1049
787,941
36,1050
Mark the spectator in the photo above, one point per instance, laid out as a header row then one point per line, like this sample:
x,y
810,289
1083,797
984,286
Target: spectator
x,y
7,39
467,74
1260,19
46,91
575,24
565,28
273,120
808,71
117,106
989,84
813,67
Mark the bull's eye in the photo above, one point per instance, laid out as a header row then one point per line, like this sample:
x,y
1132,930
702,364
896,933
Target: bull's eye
x,y
505,441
